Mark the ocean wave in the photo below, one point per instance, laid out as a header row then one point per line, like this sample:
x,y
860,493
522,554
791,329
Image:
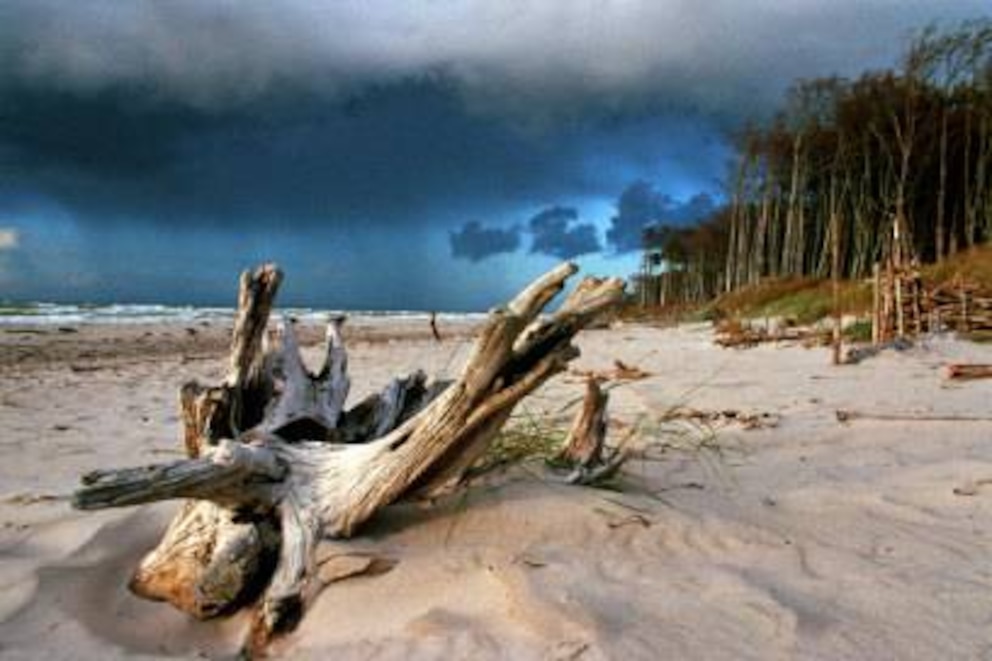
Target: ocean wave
x,y
57,314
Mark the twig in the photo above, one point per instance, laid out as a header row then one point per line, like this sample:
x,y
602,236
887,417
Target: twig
x,y
845,415
971,488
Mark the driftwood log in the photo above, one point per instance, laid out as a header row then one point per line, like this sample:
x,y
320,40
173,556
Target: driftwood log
x,y
847,415
966,371
275,462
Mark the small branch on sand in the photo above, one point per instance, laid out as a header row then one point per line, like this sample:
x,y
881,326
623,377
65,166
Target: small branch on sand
x,y
735,335
857,354
846,415
972,488
964,372
621,372
758,420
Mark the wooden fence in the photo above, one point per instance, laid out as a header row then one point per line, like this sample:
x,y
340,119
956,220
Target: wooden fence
x,y
904,305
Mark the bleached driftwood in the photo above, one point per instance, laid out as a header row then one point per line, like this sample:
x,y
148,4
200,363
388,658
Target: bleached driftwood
x,y
584,452
214,558
965,371
274,464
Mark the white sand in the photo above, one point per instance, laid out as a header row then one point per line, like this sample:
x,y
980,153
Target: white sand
x,y
814,539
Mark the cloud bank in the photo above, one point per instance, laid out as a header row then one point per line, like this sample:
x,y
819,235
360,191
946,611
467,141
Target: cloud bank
x,y
193,112
557,234
512,55
380,125
475,242
641,204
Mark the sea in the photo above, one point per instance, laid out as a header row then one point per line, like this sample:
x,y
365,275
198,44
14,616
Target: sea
x,y
58,314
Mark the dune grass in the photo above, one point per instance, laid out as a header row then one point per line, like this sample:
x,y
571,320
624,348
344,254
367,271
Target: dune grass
x,y
800,300
525,437
808,300
973,265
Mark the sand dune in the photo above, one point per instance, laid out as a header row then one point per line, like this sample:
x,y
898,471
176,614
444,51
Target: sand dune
x,y
809,539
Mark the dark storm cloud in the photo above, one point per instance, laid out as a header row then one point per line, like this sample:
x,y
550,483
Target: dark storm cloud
x,y
297,113
403,154
475,242
382,156
349,132
641,204
556,234
105,133
519,56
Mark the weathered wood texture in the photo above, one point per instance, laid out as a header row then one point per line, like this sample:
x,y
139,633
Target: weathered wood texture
x,y
957,305
276,464
584,443
584,452
215,557
965,371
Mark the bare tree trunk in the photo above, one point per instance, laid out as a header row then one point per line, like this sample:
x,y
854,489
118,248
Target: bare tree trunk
x,y
940,236
981,188
835,269
969,210
758,260
744,231
793,244
737,213
902,241
876,305
774,249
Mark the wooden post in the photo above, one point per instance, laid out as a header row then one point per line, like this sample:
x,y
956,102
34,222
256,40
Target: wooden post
x,y
963,294
935,320
900,313
644,279
835,283
876,305
917,303
434,330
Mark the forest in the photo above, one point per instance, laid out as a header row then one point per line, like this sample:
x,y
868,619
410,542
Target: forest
x,y
847,173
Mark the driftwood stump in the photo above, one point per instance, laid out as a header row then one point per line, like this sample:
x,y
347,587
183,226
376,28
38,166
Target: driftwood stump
x,y
584,452
275,463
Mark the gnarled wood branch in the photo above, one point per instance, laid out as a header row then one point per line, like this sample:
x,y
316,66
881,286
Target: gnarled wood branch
x,y
215,558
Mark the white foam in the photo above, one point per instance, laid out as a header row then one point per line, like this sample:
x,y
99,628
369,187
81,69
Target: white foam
x,y
55,314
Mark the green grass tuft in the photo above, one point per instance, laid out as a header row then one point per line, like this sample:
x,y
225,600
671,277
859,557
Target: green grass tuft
x,y
524,438
859,331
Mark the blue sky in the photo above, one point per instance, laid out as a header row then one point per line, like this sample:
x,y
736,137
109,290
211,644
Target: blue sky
x,y
424,155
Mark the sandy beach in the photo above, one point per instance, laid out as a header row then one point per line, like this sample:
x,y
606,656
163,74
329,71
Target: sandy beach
x,y
809,538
